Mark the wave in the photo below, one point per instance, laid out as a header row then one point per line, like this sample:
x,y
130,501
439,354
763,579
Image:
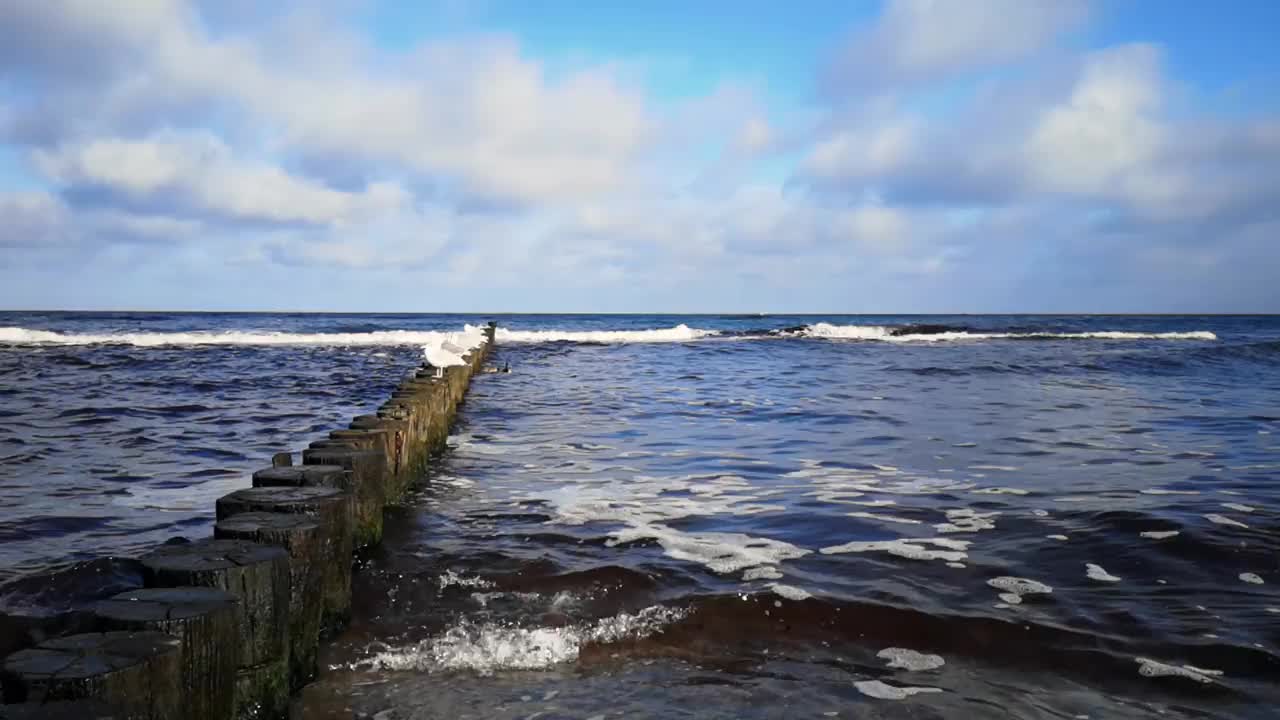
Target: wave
x,y
25,336
679,333
932,333
488,647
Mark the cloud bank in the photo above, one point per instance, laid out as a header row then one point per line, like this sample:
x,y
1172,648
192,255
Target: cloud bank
x,y
951,156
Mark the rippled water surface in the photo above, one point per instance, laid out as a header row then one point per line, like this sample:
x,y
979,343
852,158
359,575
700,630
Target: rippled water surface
x,y
744,517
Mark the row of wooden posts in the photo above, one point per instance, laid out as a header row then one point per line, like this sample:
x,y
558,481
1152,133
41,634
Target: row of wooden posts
x,y
229,626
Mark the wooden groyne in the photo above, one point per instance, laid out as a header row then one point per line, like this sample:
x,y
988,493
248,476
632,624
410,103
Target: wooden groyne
x,y
228,627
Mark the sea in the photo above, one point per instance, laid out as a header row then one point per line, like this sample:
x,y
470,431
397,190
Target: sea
x,y
708,516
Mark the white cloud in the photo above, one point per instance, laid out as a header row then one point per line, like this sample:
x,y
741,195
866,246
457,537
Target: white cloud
x,y
1107,132
923,40
200,172
32,219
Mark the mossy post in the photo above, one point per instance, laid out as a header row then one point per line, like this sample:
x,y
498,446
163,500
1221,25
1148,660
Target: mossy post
x,y
205,620
62,710
285,490
305,540
384,441
139,673
367,474
258,575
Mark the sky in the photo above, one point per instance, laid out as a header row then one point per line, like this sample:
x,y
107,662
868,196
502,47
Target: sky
x,y
557,156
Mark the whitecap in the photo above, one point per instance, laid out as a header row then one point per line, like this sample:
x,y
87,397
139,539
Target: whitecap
x,y
1019,585
1153,668
1224,520
1238,507
679,333
764,572
884,518
1062,538
1252,578
965,520
450,578
1158,534
910,549
882,691
489,647
790,592
1097,572
1164,491
908,659
1000,491
721,552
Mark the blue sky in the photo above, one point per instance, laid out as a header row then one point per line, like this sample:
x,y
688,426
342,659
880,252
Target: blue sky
x,y
897,156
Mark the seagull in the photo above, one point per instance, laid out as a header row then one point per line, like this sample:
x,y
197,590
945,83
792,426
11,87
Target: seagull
x,y
443,355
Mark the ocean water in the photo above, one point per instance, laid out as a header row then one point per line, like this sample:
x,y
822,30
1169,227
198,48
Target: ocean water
x,y
716,516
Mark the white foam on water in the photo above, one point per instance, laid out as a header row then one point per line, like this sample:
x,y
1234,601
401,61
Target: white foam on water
x,y
1010,598
1019,586
1224,520
883,333
1000,491
966,520
679,333
1040,513
998,468
1238,507
1062,538
884,518
23,336
1251,578
450,578
908,659
1164,491
790,592
957,565
488,647
720,552
883,691
910,549
764,572
1159,534
1154,668
1097,572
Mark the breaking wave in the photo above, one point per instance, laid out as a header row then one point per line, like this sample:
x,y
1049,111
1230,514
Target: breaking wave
x,y
679,333
25,336
943,334
488,647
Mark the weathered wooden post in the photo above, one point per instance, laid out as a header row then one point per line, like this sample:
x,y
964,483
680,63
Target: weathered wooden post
x,y
368,471
139,673
330,507
301,535
63,710
258,575
205,620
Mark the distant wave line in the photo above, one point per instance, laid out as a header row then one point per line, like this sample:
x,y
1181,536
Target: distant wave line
x,y
679,333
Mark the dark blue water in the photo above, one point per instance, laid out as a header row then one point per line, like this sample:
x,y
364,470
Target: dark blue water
x,y
741,517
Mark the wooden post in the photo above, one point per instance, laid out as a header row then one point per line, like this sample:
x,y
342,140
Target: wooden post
x,y
62,710
330,508
138,672
308,545
205,619
368,472
258,575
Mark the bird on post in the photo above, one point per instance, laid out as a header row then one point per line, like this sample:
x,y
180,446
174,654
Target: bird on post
x,y
443,354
